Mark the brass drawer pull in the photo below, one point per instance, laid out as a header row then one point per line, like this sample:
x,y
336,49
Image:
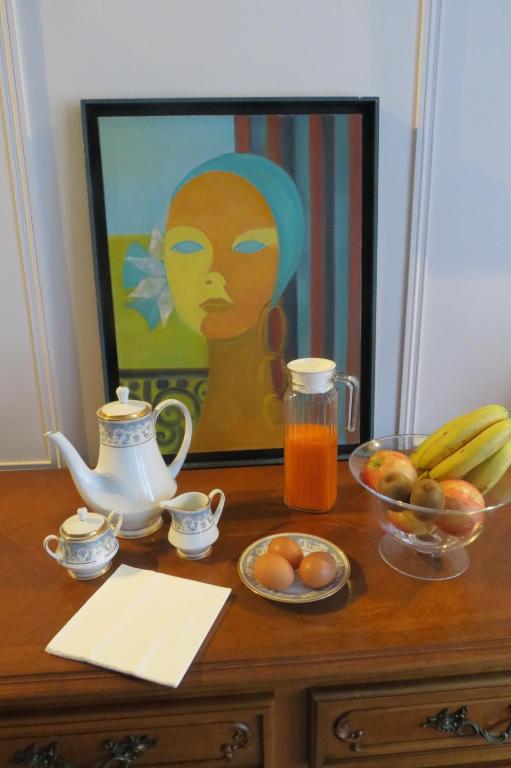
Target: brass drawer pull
x,y
45,757
124,753
240,738
458,723
342,729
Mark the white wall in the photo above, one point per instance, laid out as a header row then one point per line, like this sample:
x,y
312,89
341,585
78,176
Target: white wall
x,y
18,369
26,387
66,50
465,343
456,336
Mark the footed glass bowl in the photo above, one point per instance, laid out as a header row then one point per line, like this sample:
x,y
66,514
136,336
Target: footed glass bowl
x,y
423,542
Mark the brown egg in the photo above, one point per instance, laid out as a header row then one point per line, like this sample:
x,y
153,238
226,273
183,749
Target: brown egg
x,y
273,571
317,569
289,550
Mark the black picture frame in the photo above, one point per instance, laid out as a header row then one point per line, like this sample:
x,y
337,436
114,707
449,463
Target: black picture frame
x,y
323,111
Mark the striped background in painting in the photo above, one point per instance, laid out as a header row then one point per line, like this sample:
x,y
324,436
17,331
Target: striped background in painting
x,y
322,303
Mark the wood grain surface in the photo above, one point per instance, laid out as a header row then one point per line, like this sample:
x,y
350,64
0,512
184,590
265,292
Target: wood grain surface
x,y
381,626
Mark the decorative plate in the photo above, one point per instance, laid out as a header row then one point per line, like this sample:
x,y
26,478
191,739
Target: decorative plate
x,y
297,592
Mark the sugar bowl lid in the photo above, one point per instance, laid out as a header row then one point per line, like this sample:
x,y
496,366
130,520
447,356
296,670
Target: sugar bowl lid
x,y
124,409
84,525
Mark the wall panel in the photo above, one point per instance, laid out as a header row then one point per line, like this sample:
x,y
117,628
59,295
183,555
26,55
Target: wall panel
x,y
67,50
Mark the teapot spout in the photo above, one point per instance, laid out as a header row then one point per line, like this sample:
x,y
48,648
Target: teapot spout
x,y
85,479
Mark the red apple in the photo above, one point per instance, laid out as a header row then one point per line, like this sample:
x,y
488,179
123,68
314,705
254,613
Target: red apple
x,y
463,497
382,463
408,522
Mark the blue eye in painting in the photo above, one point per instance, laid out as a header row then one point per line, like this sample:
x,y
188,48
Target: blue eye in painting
x,y
249,246
187,246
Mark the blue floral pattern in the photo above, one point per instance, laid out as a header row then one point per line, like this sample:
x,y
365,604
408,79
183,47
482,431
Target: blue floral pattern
x,y
121,434
192,523
80,553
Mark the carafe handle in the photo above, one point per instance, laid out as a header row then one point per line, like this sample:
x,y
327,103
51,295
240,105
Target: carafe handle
x,y
181,454
219,507
353,385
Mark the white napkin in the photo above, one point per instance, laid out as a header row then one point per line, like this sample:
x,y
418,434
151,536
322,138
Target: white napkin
x,y
143,623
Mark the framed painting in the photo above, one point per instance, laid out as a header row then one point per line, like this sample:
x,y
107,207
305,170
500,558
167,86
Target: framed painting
x,y
231,236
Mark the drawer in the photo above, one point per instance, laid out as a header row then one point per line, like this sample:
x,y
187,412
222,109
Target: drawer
x,y
198,733
381,725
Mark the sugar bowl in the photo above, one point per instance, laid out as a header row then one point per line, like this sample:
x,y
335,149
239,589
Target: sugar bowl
x,y
86,543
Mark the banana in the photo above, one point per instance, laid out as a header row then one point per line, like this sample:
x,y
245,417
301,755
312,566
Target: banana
x,y
456,433
481,447
487,474
418,453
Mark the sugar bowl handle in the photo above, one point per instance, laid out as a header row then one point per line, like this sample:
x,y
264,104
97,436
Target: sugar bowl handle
x,y
114,527
46,544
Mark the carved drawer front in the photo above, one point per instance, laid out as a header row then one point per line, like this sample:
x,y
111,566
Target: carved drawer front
x,y
415,725
235,731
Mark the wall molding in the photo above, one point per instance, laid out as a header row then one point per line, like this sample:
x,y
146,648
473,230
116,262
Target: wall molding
x,y
14,124
28,464
427,79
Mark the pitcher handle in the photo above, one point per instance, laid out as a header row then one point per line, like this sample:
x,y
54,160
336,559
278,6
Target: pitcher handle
x,y
181,454
46,543
220,506
353,385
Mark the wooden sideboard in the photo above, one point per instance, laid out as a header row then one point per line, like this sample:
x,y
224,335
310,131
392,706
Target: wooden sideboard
x,y
348,681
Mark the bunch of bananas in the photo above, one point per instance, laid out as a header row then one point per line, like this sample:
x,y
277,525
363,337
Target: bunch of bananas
x,y
475,447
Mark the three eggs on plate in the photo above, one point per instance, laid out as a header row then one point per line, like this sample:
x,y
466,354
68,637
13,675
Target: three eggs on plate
x,y
276,568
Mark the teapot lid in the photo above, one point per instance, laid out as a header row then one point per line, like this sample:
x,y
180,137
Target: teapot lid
x,y
83,526
124,409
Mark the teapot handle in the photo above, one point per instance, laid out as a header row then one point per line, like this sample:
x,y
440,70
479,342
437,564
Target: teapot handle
x,y
181,454
47,548
219,507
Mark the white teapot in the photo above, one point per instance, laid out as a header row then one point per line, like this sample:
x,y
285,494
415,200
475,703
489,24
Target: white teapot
x,y
130,475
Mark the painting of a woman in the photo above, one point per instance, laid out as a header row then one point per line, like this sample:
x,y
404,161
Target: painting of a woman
x,y
228,243
233,238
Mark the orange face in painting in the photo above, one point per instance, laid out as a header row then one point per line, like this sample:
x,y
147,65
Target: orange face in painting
x,y
221,254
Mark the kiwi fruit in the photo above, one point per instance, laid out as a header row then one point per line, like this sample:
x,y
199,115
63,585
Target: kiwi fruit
x,y
396,486
427,493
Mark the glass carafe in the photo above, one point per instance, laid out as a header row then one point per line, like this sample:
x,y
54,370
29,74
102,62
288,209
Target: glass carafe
x,y
310,432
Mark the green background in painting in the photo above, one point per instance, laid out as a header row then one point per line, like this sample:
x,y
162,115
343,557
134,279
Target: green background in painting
x,y
169,346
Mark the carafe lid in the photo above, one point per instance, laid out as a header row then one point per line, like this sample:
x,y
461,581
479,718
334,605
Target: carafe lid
x,y
312,375
124,409
83,526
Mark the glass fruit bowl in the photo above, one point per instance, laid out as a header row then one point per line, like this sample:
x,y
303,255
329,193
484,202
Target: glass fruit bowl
x,y
423,542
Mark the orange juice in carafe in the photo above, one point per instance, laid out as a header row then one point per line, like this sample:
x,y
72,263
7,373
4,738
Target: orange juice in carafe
x,y
310,433
306,447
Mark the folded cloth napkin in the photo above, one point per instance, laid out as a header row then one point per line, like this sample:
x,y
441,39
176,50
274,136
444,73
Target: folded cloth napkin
x,y
142,623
